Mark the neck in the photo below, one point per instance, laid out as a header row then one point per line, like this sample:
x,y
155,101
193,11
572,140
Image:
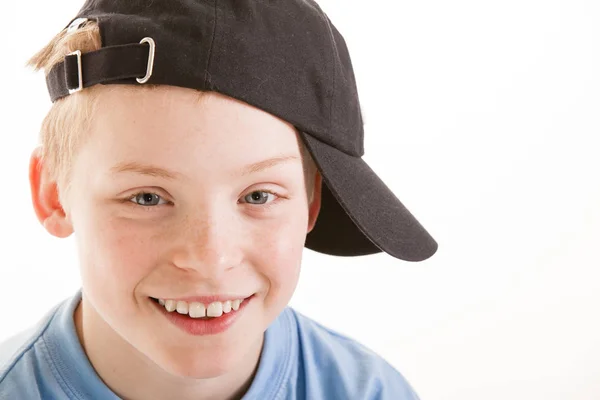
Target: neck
x,y
131,375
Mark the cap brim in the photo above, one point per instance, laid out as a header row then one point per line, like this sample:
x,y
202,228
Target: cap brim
x,y
359,214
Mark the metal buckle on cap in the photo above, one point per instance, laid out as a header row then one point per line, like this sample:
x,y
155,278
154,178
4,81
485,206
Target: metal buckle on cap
x,y
79,73
150,66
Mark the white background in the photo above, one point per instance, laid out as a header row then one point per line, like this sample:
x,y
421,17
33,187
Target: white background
x,y
484,118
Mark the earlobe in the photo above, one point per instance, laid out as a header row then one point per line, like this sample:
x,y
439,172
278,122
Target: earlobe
x,y
315,206
45,198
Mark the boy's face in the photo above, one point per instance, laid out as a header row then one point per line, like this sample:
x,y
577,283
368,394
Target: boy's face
x,y
211,230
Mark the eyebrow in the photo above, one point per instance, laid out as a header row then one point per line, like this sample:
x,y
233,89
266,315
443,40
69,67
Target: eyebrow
x,y
264,164
155,171
145,169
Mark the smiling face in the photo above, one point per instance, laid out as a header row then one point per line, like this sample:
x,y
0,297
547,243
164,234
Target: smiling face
x,y
171,196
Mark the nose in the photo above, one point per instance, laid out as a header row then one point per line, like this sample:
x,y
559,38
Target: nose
x,y
207,245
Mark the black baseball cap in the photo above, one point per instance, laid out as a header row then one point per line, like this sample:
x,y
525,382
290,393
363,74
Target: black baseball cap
x,y
284,57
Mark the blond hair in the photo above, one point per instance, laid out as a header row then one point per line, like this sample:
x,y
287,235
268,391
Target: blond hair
x,y
63,128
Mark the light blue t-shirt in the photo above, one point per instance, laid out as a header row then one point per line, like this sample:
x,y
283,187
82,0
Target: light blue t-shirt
x,y
300,360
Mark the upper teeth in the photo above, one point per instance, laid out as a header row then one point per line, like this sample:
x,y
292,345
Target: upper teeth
x,y
199,310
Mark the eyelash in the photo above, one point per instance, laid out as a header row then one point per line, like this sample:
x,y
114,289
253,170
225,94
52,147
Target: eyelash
x,y
264,207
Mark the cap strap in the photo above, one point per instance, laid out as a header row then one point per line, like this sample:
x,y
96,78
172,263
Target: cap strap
x,y
109,64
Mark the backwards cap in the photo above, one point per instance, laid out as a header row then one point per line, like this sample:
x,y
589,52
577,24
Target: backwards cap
x,y
284,57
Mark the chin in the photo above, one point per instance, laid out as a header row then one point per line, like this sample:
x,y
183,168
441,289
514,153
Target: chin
x,y
200,363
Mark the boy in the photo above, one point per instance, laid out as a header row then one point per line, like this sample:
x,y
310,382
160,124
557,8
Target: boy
x,y
191,146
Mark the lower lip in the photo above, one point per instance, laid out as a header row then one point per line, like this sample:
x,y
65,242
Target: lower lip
x,y
203,327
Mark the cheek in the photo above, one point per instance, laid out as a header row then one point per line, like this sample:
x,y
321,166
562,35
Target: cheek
x,y
280,255
114,255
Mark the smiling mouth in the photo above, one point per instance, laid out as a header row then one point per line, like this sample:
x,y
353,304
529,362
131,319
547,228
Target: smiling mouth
x,y
201,311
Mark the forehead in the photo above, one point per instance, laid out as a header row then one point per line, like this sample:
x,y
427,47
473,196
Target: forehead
x,y
183,129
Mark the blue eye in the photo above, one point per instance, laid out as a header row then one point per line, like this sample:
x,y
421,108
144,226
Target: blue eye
x,y
258,196
147,199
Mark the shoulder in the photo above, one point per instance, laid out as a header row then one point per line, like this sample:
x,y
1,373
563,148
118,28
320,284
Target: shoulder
x,y
344,368
19,360
13,349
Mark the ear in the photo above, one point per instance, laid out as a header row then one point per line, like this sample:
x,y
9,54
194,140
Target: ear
x,y
45,197
315,206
